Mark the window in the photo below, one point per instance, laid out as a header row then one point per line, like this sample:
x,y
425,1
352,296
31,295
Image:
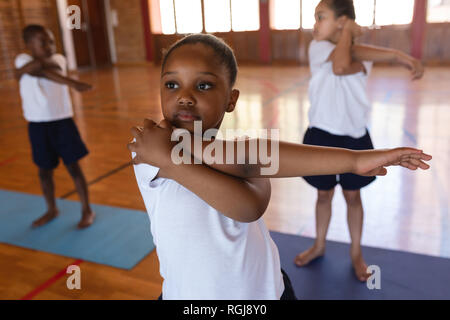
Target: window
x,y
245,15
167,16
364,11
284,14
368,12
188,16
217,15
389,12
438,11
185,16
308,13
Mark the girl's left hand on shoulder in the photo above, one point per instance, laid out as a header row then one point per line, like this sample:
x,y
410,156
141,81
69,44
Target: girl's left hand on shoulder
x,y
152,143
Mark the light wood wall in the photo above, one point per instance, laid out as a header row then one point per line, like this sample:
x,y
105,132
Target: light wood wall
x,y
129,33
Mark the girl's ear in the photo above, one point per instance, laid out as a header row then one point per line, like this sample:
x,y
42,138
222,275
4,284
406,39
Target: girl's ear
x,y
341,22
233,100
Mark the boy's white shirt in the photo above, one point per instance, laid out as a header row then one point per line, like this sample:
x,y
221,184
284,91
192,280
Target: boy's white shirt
x,y
339,104
203,254
44,100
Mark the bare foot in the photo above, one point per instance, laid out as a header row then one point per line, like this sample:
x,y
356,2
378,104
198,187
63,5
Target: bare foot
x,y
87,219
302,259
360,267
47,217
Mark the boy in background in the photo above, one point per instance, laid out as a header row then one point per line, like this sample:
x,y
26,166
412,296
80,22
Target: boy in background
x,y
47,107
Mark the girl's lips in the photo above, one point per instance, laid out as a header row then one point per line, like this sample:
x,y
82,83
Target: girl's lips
x,y
186,116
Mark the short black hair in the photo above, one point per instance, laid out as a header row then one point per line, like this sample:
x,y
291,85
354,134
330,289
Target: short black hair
x,y
342,8
31,30
223,51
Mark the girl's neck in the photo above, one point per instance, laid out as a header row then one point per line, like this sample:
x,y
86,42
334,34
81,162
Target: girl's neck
x,y
335,37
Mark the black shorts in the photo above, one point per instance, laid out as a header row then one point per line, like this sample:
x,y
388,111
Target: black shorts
x,y
54,139
348,181
288,293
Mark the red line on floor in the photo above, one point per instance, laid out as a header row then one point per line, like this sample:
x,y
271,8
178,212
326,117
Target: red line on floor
x,y
50,281
9,160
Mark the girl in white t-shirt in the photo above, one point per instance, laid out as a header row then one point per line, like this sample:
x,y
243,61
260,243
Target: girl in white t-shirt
x,y
339,114
206,217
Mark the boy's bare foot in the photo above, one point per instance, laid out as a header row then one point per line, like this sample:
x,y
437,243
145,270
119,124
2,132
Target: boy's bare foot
x,y
47,217
87,219
304,258
360,267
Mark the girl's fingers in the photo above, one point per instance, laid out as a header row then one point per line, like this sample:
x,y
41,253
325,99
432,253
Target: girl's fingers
x,y
419,163
135,132
149,123
165,124
382,171
131,146
408,165
424,166
426,157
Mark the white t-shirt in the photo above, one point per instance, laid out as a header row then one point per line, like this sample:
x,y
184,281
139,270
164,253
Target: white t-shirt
x,y
44,100
203,254
339,104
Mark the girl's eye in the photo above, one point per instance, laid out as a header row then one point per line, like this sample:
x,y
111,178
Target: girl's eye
x,y
204,86
171,85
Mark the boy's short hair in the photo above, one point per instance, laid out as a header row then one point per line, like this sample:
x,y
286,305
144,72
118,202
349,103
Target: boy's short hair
x,y
30,31
222,50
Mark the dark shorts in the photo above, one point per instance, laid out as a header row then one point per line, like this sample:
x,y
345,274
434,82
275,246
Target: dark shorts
x,y
288,293
54,139
348,181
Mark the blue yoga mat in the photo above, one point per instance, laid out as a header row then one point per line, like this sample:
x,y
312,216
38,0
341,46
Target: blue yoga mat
x,y
404,276
119,237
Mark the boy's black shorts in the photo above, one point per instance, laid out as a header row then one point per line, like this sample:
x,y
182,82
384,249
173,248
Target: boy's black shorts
x,y
54,139
348,181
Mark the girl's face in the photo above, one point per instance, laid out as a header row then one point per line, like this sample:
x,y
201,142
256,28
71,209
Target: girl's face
x,y
195,86
327,26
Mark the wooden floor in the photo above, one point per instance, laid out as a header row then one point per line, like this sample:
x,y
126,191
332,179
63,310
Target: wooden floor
x,y
404,211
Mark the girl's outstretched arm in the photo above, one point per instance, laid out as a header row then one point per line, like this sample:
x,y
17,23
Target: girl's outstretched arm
x,y
294,160
363,52
265,158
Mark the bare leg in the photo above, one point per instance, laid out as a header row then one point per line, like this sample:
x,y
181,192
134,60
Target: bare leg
x,y
355,214
323,216
48,189
87,215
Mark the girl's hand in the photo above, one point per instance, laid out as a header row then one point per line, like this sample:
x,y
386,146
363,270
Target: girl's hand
x,y
373,162
152,143
412,64
353,27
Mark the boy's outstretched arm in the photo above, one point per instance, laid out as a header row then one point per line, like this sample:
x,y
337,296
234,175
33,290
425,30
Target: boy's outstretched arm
x,y
59,78
244,200
45,69
33,68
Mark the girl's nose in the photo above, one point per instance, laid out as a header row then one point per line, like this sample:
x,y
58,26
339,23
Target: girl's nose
x,y
186,100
